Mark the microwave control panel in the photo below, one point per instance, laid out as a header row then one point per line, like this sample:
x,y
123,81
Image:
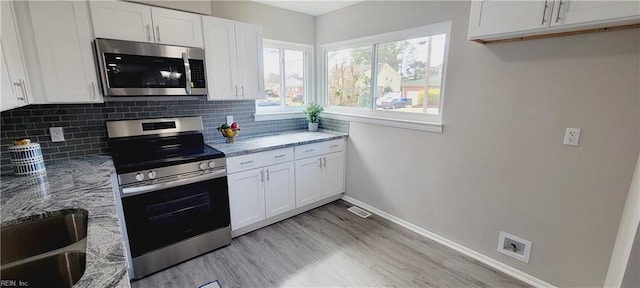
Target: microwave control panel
x,y
197,73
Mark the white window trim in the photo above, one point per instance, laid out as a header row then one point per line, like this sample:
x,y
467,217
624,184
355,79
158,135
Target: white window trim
x,y
414,121
277,113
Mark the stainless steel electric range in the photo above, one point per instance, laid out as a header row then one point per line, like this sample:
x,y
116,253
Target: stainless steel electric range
x,y
171,192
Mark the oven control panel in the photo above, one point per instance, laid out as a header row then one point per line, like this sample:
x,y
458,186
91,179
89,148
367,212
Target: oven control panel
x,y
161,173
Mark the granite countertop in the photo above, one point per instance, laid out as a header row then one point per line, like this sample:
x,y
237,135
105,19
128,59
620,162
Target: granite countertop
x,y
83,183
276,141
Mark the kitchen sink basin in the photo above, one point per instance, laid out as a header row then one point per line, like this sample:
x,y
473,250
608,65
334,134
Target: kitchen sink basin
x,y
59,270
51,249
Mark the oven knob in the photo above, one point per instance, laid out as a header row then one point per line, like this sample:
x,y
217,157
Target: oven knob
x,y
212,164
203,166
152,174
139,176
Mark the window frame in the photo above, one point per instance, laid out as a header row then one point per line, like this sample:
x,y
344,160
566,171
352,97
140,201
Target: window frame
x,y
282,111
416,121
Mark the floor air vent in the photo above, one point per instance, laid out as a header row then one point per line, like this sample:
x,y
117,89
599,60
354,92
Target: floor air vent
x,y
359,211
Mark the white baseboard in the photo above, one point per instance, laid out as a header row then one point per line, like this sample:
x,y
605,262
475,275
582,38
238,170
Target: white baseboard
x,y
515,273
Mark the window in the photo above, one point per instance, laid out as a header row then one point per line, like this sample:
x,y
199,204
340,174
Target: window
x,y
286,77
394,76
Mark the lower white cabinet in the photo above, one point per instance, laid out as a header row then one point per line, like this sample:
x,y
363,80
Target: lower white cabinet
x,y
319,177
260,193
268,184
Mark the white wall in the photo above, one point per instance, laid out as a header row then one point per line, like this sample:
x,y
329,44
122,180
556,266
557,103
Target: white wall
x,y
500,163
277,24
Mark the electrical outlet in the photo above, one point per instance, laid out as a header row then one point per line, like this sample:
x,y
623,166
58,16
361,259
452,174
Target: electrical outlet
x,y
57,135
514,246
229,120
572,136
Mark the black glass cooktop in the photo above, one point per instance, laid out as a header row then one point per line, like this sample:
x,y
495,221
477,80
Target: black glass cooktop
x,y
134,154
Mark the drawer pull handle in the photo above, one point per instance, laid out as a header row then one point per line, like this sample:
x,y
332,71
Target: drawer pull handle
x,y
247,162
279,156
334,146
310,150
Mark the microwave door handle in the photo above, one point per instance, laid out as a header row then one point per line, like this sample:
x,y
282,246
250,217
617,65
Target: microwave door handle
x,y
187,71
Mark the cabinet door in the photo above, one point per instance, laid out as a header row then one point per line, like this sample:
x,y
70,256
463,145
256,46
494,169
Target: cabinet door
x,y
567,12
308,180
333,174
177,28
279,192
250,60
221,57
14,90
64,46
121,20
490,17
246,198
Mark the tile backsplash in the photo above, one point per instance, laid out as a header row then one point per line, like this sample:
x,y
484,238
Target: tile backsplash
x,y
86,134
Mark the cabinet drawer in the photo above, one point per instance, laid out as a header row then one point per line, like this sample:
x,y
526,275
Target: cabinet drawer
x,y
320,148
257,160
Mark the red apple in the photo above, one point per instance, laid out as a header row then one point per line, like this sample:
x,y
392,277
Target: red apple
x,y
235,125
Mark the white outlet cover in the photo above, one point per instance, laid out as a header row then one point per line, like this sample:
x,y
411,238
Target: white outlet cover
x,y
57,134
571,136
523,256
229,120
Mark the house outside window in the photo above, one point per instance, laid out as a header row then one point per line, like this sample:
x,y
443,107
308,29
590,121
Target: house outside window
x,y
394,76
287,77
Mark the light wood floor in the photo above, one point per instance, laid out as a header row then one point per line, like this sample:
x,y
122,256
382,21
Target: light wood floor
x,y
330,246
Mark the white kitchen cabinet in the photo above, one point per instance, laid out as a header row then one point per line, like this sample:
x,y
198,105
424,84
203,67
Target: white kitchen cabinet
x,y
58,46
246,198
318,175
497,20
134,22
262,192
14,84
234,59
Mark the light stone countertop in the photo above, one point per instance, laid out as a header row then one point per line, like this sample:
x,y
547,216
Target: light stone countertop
x,y
74,183
270,142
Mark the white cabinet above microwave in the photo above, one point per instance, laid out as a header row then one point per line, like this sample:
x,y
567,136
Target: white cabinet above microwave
x,y
492,20
134,22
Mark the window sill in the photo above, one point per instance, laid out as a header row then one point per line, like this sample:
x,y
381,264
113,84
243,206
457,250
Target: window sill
x,y
266,116
389,122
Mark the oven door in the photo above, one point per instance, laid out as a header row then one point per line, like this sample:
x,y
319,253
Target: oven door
x,y
164,217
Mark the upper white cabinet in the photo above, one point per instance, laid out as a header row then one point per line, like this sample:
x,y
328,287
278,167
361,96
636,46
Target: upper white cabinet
x,y
14,84
234,59
58,50
496,19
135,22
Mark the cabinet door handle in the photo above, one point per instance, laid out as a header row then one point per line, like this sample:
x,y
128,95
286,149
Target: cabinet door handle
x,y
246,162
544,12
334,146
268,175
158,33
242,87
320,160
558,15
325,162
262,176
310,150
236,88
279,156
23,90
148,33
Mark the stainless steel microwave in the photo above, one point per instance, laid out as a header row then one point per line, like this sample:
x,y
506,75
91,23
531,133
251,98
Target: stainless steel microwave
x,y
144,69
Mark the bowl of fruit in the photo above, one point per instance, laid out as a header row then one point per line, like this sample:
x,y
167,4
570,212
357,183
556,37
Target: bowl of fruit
x,y
230,131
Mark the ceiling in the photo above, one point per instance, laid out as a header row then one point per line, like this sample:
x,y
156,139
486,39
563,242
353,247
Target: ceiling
x,y
310,7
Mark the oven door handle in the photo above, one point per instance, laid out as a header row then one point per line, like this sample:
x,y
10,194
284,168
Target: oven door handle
x,y
131,191
187,72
